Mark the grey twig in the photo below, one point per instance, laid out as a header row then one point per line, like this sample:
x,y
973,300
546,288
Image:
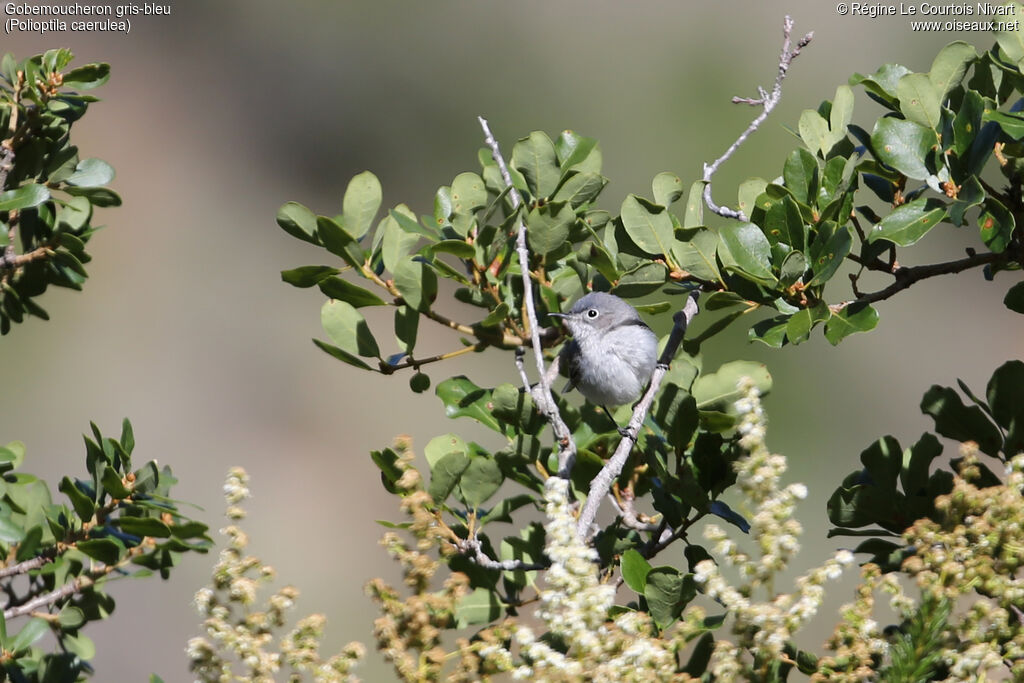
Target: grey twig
x,y
471,548
629,515
542,392
67,590
25,567
601,484
767,101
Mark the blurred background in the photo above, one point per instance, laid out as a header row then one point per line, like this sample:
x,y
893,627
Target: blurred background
x,y
217,114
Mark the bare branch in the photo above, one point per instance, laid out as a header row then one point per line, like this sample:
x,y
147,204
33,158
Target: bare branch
x,y
907,276
601,484
542,392
471,548
767,102
25,567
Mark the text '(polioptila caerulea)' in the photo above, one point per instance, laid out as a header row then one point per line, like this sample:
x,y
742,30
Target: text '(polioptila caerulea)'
x,y
612,353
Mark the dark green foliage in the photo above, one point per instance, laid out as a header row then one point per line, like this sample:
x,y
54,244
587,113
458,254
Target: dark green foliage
x,y
119,522
898,486
847,201
47,192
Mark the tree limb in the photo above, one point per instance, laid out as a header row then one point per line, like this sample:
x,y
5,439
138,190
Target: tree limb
x,y
601,484
767,102
907,276
541,393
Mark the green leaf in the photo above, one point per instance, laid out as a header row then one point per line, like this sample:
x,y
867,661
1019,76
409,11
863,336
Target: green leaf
x,y
648,225
850,320
904,145
407,322
10,531
1012,41
967,122
534,157
103,550
1005,394
801,323
950,65
339,242
909,223
634,570
82,504
70,617
750,190
307,276
800,173
343,290
417,283
462,398
479,607
347,328
1014,299
841,114
959,422
506,506
24,197
469,194
814,131
580,189
576,152
81,645
696,254
445,474
144,526
32,631
784,223
831,245
920,100
360,204
996,224
720,388
91,173
296,220
747,252
396,242
343,356
496,316
1011,123
547,227
883,82
87,77
480,480
13,454
667,188
113,485
459,248
668,592
694,216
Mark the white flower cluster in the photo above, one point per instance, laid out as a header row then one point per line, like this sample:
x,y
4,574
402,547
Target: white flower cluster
x,y
574,607
765,627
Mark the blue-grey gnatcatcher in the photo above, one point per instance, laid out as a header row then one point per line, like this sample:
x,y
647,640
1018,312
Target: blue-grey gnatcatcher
x,y
612,353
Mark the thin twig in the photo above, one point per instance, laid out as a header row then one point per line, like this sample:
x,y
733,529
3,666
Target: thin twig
x,y
25,567
601,484
907,276
628,514
386,368
767,102
542,391
471,548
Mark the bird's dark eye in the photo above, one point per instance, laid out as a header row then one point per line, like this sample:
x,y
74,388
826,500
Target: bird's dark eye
x,y
592,313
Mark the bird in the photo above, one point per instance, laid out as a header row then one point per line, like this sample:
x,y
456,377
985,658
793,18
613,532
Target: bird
x,y
612,353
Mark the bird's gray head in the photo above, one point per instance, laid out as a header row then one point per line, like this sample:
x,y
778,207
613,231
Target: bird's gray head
x,y
597,312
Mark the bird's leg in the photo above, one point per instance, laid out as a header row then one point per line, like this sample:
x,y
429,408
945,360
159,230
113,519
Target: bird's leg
x,y
621,430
